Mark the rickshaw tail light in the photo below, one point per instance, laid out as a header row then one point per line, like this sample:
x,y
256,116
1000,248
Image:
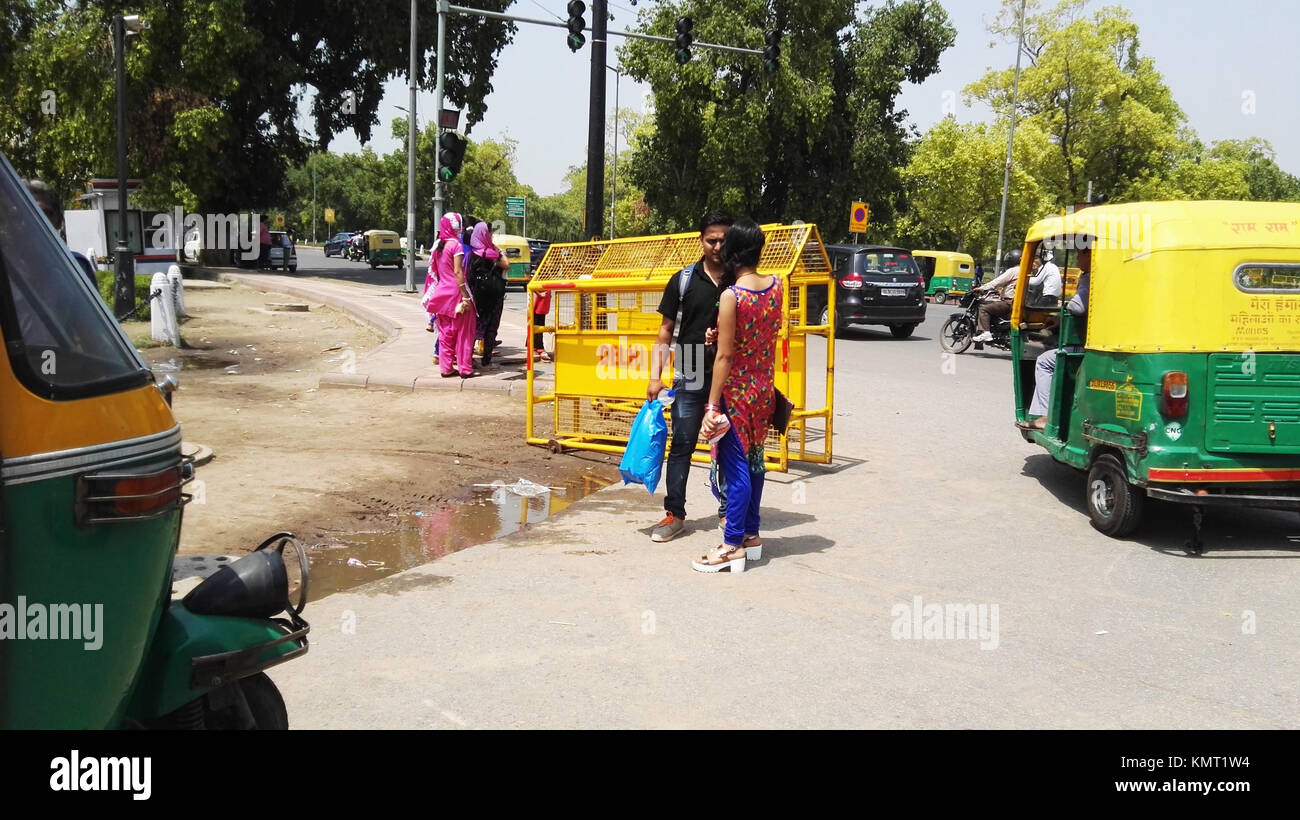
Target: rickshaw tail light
x,y
140,496
1174,394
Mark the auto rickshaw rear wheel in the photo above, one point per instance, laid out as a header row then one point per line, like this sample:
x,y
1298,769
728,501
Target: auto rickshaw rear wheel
x,y
940,297
1114,505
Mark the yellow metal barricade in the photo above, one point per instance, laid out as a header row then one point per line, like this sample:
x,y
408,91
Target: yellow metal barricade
x,y
604,314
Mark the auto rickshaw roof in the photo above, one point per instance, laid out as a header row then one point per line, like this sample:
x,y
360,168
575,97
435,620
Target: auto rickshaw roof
x,y
952,255
375,233
1141,228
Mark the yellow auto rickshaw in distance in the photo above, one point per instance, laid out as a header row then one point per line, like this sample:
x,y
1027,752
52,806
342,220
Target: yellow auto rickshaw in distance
x,y
1180,381
384,249
948,274
518,254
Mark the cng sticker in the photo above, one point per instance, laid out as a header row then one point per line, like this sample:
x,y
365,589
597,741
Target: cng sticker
x,y
1174,430
1102,384
1128,401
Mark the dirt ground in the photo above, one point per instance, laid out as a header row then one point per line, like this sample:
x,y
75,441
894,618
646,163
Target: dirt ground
x,y
323,461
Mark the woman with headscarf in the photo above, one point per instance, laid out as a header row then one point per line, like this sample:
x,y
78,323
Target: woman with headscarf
x,y
450,302
486,268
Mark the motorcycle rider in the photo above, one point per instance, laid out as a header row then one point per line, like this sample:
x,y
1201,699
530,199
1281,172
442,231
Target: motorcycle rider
x,y
1044,275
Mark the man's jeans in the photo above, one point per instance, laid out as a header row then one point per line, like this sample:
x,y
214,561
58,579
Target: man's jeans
x,y
687,415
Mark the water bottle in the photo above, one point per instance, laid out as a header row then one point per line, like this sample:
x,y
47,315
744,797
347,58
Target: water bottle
x,y
666,397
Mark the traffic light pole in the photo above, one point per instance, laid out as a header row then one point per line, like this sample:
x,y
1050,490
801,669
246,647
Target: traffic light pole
x,y
439,190
596,125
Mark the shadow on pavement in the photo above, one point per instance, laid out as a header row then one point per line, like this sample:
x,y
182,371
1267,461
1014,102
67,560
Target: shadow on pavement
x,y
776,549
1166,527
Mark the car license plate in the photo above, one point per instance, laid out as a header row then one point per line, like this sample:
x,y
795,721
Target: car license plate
x,y
893,291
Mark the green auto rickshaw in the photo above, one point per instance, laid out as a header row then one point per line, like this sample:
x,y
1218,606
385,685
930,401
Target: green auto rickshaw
x,y
92,487
1181,380
948,274
384,248
518,253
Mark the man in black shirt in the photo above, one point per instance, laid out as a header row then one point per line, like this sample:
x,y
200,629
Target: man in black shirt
x,y
696,347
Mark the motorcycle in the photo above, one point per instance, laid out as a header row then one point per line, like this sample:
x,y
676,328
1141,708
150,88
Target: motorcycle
x,y
958,333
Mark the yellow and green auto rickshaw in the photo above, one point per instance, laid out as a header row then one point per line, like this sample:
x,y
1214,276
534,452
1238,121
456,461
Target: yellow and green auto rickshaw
x,y
1181,381
92,485
518,254
947,274
384,248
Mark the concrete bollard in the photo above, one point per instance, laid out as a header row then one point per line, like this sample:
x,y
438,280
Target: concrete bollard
x,y
178,290
162,311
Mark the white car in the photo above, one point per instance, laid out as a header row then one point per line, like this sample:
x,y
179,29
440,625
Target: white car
x,y
282,255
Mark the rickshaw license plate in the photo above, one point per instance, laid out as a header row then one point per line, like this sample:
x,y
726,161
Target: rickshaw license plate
x,y
893,291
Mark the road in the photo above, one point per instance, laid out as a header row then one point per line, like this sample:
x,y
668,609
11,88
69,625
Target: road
x,y
934,500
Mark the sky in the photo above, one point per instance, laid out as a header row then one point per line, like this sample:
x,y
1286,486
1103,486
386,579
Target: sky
x,y
1232,67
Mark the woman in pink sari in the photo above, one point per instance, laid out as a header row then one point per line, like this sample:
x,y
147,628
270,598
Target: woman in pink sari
x,y
451,303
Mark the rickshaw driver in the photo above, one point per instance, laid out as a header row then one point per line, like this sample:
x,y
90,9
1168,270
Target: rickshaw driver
x,y
1045,364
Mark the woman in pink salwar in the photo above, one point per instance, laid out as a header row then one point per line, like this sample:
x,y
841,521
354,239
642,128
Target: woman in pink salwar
x,y
451,302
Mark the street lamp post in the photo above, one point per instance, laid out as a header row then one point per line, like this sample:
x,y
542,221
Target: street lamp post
x,y
123,266
613,186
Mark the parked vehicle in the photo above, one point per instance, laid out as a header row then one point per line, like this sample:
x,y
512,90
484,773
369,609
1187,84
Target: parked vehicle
x,y
283,255
92,486
948,274
1181,381
383,248
336,244
875,285
536,250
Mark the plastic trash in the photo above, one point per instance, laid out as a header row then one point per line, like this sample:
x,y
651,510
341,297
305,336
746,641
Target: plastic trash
x,y
643,460
666,397
356,562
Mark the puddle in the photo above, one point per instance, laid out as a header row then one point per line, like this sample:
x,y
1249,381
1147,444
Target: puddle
x,y
196,361
346,560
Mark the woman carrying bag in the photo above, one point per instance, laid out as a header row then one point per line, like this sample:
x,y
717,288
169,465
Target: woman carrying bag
x,y
743,396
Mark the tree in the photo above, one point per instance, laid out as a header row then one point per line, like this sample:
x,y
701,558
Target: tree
x,y
954,186
1104,106
800,143
215,86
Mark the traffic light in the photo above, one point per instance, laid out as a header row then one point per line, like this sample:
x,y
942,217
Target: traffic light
x,y
576,38
771,51
684,39
451,154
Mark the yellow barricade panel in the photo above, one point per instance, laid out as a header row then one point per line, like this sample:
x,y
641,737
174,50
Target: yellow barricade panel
x,y
605,305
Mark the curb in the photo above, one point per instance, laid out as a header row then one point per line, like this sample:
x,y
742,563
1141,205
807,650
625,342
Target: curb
x,y
515,386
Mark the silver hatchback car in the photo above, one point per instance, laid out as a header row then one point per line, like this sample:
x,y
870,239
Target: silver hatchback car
x,y
283,255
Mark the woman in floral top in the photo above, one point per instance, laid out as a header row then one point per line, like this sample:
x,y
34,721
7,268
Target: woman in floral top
x,y
742,396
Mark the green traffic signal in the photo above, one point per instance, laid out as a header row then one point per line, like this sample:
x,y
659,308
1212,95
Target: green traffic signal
x,y
576,24
451,154
576,41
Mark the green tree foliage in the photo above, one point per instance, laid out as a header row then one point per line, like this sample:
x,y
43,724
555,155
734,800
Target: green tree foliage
x,y
954,180
1086,85
215,87
800,143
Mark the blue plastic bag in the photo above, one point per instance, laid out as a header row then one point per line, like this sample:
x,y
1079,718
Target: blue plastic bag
x,y
643,460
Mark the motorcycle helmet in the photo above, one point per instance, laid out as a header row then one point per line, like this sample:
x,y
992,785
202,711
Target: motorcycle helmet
x,y
1011,260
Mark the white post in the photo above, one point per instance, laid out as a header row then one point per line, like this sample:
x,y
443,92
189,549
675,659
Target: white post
x,y
178,290
162,315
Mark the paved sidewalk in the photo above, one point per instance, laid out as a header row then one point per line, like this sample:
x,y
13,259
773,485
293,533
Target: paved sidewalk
x,y
405,360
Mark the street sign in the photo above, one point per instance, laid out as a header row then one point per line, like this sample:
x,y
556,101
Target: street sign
x,y
858,214
279,220
515,206
329,215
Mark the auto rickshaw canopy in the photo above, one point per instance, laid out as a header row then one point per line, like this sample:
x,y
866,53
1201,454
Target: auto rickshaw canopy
x,y
1182,276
